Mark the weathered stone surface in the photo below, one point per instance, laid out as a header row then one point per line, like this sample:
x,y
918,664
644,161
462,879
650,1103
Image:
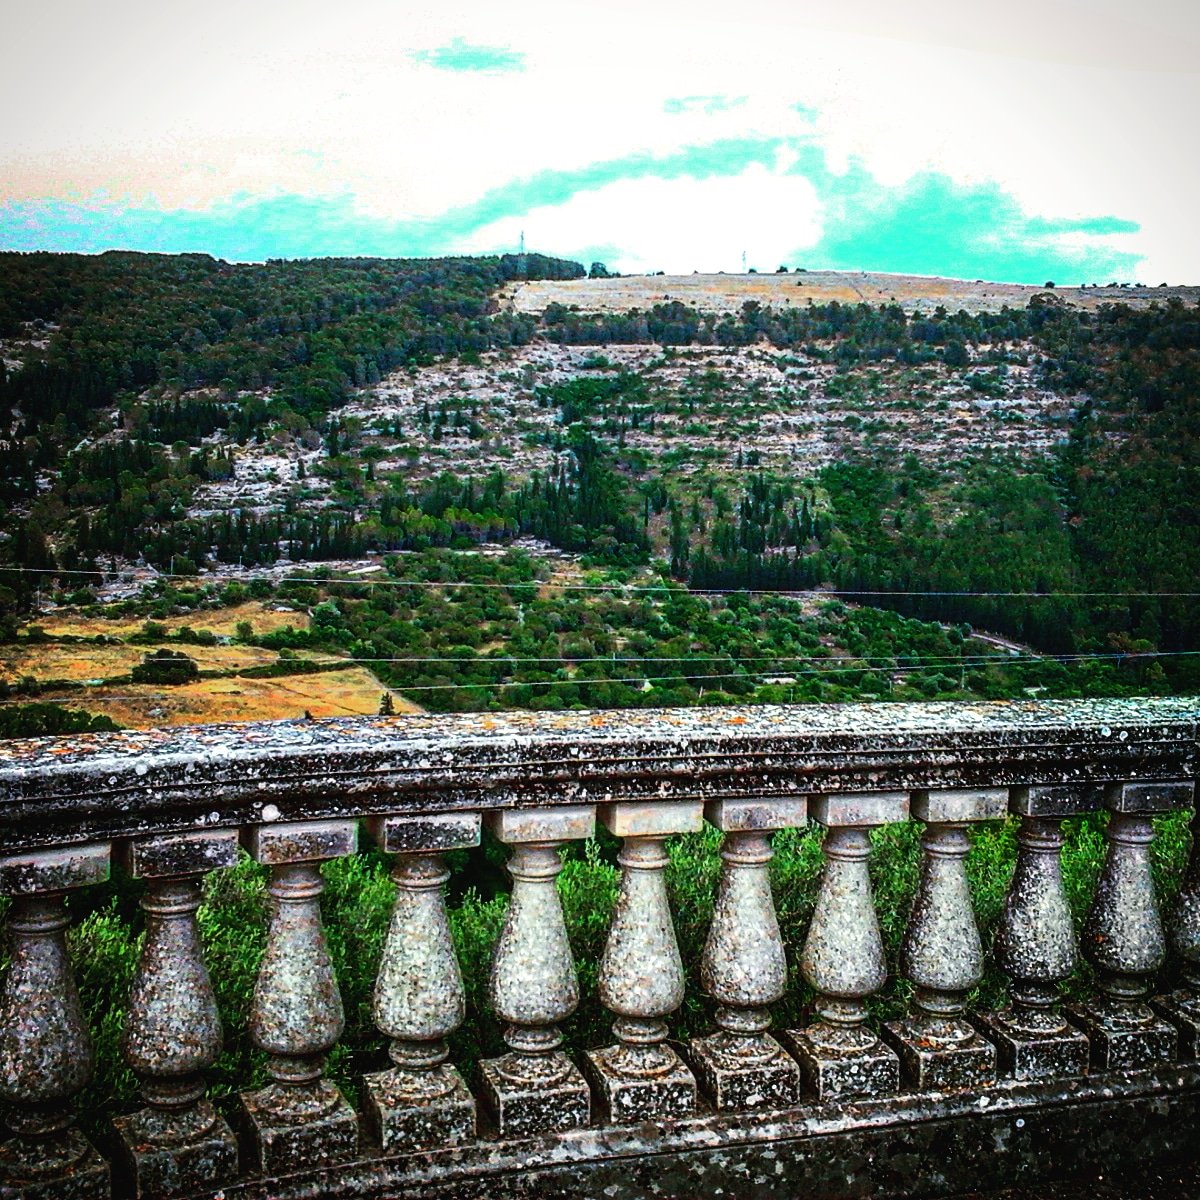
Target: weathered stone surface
x,y
651,818
1055,800
409,1110
937,1056
419,1001
530,1094
58,870
1035,944
301,841
768,813
943,956
835,1072
193,853
425,832
45,1059
296,1018
172,1035
1021,1054
64,1167
176,1154
858,808
843,960
1148,797
736,1073
535,1087
642,982
661,1089
1123,937
564,823
135,783
955,805
288,1128
743,968
1181,1009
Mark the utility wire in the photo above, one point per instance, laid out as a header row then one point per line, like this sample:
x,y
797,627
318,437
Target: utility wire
x,y
673,589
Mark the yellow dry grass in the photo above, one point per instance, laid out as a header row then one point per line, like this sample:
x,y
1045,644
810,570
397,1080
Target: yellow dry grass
x,y
352,692
79,663
727,293
221,621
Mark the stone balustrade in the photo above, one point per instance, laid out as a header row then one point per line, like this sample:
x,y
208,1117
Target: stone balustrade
x,y
173,805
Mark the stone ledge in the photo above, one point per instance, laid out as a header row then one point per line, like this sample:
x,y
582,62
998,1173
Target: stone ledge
x,y
1028,1132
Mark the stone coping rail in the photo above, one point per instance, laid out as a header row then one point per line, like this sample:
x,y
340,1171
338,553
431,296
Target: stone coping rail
x,y
61,790
839,1106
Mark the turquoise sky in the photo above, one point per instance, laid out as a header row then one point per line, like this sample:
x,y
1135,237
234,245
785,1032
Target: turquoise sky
x,y
932,145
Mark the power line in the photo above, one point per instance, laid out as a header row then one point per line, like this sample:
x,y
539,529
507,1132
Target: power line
x,y
671,588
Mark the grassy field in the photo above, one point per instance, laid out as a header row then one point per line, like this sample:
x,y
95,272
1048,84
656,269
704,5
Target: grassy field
x,y
727,293
353,692
263,618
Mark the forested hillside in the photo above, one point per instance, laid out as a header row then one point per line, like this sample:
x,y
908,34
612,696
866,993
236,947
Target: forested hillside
x,y
1030,472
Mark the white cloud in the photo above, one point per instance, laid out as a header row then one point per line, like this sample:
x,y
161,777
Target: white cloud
x,y
675,225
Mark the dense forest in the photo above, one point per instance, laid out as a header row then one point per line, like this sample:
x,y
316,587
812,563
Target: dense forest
x,y
134,378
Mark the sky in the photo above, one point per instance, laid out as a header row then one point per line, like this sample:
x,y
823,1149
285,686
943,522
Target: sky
x,y
1020,141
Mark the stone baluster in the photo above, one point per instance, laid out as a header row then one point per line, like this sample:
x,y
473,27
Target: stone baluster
x,y
45,1050
1123,936
535,1088
743,967
1035,943
299,1119
421,1101
178,1143
843,957
641,1078
942,953
1182,1006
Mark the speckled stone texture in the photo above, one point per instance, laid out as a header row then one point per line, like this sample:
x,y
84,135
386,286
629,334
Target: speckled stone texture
x,y
1124,938
65,1169
743,967
833,1072
535,1088
641,972
1181,1007
843,955
419,999
45,1051
1035,945
542,1095
942,953
169,1155
178,1144
296,1014
290,1129
1181,1010
659,1088
407,1111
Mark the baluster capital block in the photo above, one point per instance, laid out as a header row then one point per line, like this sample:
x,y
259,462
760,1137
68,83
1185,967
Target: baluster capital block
x,y
1148,797
1050,801
652,818
425,833
858,809
958,806
58,870
301,841
174,855
757,816
557,823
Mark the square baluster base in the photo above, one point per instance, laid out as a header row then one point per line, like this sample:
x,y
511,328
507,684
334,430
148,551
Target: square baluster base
x,y
845,1074
403,1121
1025,1055
931,1067
627,1098
1182,1009
64,1168
522,1107
1120,1043
169,1155
274,1143
772,1082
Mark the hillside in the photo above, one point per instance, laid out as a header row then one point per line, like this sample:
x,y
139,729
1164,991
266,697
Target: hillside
x,y
1023,461
727,293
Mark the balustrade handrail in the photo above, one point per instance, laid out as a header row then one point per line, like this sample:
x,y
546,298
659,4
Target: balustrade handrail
x,y
55,791
172,806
